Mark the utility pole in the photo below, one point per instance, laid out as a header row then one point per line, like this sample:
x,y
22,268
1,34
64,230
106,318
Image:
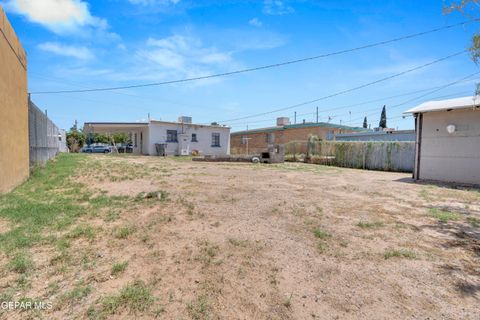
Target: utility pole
x,y
295,118
350,113
246,140
317,114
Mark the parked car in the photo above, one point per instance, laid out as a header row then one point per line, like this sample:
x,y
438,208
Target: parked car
x,y
97,149
124,148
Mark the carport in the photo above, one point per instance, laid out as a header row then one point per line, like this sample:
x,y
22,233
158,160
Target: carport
x,y
137,132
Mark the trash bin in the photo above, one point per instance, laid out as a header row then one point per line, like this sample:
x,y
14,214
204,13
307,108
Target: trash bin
x,y
161,149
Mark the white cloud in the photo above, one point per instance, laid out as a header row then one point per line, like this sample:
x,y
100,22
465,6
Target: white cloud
x,y
81,53
276,7
153,2
255,22
182,54
60,16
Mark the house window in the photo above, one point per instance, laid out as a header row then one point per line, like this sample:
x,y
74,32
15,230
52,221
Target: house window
x,y
270,137
215,139
135,139
194,137
172,136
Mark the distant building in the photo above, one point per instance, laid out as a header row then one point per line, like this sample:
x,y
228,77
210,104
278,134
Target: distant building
x,y
392,135
448,140
257,140
173,138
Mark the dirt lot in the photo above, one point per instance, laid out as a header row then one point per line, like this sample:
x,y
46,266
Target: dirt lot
x,y
169,238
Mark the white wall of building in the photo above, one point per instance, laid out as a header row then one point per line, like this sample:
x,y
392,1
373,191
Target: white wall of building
x,y
451,157
158,134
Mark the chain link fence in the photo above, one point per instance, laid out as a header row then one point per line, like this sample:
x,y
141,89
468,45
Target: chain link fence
x,y
44,136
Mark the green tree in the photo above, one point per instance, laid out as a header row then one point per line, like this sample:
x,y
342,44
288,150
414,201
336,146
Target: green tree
x,y
101,138
383,118
365,124
75,139
121,137
469,9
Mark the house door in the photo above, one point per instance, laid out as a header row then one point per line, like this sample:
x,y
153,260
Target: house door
x,y
184,145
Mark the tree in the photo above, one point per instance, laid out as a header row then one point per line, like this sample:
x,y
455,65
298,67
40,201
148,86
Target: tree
x,y
121,137
383,118
365,124
468,9
75,139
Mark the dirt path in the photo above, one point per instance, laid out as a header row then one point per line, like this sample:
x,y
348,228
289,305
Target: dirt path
x,y
292,241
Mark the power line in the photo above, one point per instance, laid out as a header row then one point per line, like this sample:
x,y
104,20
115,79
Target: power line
x,y
329,110
348,90
429,93
275,65
82,85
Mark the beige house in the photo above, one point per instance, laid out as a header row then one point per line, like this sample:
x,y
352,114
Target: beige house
x,y
448,140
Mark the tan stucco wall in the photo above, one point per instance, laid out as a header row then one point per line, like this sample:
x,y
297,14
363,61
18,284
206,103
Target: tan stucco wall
x,y
451,157
14,166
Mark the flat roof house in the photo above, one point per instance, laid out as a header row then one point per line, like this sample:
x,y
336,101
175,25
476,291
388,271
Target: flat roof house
x,y
448,140
257,140
178,138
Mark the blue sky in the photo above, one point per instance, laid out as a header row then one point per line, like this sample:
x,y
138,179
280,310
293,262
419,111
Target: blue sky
x,y
78,44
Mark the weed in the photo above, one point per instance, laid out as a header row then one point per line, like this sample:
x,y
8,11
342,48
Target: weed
x,y
63,244
76,294
119,267
111,216
443,216
208,252
85,231
23,282
322,247
188,205
238,242
370,225
319,233
21,263
124,232
424,194
53,288
199,309
400,253
136,296
474,222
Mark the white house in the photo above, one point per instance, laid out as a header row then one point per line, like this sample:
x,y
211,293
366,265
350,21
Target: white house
x,y
174,138
448,140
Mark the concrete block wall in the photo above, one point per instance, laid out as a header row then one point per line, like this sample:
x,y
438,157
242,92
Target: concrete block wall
x,y
14,155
